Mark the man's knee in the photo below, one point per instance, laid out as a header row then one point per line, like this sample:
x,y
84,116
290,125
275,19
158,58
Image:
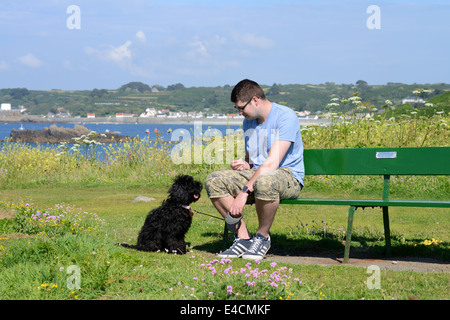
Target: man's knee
x,y
266,187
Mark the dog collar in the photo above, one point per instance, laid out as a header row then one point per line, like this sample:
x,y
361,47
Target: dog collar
x,y
188,208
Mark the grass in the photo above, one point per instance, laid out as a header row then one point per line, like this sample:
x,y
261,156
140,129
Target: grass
x,y
91,209
36,264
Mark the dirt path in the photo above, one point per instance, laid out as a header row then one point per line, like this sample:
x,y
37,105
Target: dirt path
x,y
396,264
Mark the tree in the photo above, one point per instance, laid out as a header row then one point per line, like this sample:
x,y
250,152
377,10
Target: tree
x,y
361,84
174,87
19,93
135,86
274,90
98,93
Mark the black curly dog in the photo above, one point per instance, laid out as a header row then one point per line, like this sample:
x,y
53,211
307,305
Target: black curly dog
x,y
165,226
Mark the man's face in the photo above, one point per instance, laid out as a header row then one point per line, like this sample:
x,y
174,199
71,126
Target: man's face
x,y
246,108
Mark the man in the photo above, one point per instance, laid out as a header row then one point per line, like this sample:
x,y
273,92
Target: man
x,y
272,170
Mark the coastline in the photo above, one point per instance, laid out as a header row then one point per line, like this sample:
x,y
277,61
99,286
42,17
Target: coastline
x,y
113,120
137,120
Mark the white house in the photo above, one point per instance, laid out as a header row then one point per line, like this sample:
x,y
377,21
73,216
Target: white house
x,y
149,112
5,107
123,115
412,99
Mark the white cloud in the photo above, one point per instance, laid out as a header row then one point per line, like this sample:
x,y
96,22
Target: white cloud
x,y
120,55
3,65
140,36
252,40
30,60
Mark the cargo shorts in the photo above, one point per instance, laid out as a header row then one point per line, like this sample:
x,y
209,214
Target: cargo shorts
x,y
271,186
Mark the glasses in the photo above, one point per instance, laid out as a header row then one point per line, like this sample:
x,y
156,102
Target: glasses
x,y
242,108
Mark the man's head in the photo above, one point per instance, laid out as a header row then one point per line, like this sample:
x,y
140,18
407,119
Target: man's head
x,y
246,90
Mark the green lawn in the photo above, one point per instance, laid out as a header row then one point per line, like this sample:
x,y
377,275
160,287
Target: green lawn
x,y
35,266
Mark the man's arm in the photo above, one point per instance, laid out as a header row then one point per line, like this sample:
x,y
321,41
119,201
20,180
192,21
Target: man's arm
x,y
276,154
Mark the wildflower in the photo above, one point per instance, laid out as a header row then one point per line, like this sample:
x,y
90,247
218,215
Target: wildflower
x,y
229,289
273,264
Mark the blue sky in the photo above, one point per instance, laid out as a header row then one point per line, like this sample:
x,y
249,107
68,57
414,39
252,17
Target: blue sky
x,y
215,42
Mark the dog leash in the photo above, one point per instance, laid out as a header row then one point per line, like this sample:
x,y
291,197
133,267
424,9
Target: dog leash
x,y
207,214
191,209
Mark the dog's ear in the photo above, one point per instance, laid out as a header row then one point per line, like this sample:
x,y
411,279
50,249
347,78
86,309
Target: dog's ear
x,y
182,179
178,188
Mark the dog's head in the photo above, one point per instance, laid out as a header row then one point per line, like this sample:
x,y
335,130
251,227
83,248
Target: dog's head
x,y
185,190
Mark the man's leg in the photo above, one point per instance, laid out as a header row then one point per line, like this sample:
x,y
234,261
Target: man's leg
x,y
222,205
269,188
266,211
222,187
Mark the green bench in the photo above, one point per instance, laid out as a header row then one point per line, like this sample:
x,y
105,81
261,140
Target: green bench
x,y
375,161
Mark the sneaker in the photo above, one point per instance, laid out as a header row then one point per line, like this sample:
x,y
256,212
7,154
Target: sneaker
x,y
237,249
258,249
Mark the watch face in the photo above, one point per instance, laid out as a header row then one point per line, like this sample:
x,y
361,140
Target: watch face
x,y
245,189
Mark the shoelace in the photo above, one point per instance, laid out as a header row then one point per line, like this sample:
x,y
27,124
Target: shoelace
x,y
255,244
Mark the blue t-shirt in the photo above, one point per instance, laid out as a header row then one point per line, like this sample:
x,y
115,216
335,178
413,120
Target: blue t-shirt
x,y
281,124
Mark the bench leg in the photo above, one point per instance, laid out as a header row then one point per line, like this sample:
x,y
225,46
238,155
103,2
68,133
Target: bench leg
x,y
225,237
387,232
351,212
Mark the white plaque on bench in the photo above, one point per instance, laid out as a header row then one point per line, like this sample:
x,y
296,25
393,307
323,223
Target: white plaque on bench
x,y
386,155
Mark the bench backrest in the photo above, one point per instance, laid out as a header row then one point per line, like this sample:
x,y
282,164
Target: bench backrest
x,y
378,161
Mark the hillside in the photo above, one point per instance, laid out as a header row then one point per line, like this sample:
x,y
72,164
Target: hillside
x,y
135,97
442,100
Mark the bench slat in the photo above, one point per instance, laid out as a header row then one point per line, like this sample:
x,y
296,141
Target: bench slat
x,y
378,161
369,202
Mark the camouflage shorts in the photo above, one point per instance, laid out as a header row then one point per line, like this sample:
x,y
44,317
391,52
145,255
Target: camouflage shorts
x,y
277,185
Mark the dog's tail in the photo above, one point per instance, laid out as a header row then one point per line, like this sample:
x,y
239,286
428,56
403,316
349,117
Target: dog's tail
x,y
126,245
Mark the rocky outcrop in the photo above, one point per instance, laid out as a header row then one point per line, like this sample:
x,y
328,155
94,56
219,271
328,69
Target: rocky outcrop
x,y
55,134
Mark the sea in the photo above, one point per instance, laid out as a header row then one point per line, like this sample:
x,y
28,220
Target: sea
x,y
147,131
166,132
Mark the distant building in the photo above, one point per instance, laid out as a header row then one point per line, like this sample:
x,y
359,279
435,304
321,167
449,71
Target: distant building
x,y
5,107
303,114
412,100
149,112
123,115
91,115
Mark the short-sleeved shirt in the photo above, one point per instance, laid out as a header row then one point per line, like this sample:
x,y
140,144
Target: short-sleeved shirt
x,y
281,124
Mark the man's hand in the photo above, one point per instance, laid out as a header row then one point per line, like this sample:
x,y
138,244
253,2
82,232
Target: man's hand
x,y
238,205
239,165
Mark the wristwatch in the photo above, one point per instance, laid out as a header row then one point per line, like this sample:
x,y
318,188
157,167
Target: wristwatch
x,y
245,190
